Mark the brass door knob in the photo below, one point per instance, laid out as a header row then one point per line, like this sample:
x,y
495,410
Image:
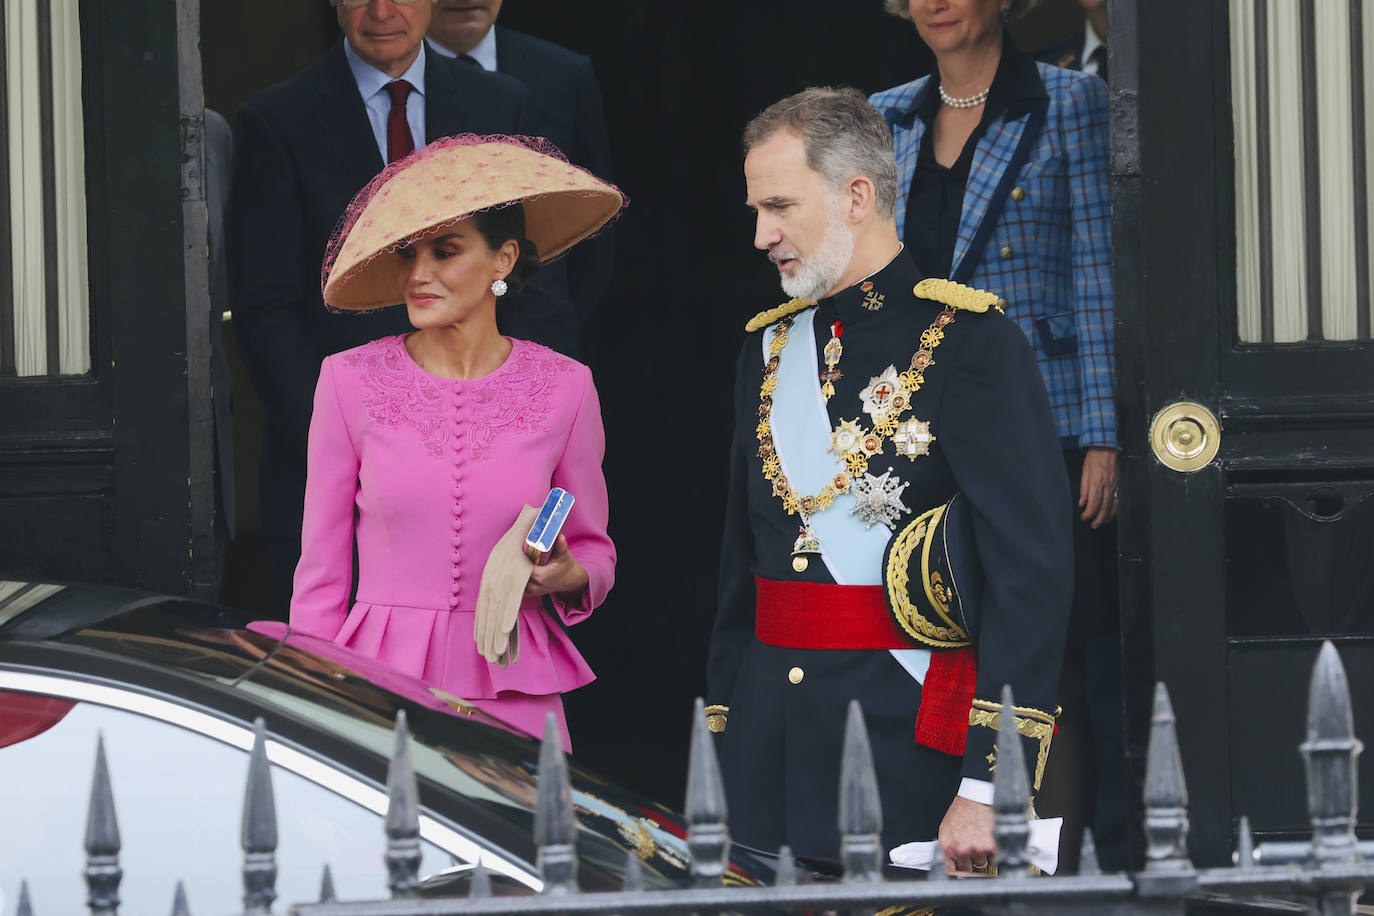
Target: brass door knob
x,y
1185,436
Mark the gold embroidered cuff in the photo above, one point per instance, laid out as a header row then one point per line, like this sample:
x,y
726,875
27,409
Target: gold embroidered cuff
x,y
1035,724
715,718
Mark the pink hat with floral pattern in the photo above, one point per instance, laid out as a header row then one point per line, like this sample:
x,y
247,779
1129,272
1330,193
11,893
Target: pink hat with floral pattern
x,y
446,181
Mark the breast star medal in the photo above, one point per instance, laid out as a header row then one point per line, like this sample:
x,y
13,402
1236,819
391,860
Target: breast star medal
x,y
854,445
832,353
878,500
804,548
878,398
845,437
913,438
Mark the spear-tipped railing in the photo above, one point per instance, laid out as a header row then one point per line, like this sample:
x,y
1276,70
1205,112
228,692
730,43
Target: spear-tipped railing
x,y
555,823
103,873
1323,876
402,816
258,835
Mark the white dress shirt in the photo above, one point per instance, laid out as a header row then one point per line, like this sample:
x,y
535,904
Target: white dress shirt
x,y
372,87
484,53
1090,44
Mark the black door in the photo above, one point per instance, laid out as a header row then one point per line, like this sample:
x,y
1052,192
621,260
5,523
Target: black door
x,y
105,423
1242,277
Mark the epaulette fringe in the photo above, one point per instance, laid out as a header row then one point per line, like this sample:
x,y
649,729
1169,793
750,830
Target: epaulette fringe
x,y
956,295
768,316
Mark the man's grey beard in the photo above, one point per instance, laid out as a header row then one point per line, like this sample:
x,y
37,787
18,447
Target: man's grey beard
x,y
819,272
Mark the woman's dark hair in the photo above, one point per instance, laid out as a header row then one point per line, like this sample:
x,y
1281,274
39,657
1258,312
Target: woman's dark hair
x,y
505,224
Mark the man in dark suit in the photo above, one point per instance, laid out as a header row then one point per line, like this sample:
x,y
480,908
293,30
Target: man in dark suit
x,y
305,148
564,106
1085,50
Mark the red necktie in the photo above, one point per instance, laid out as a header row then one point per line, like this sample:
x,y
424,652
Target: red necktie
x,y
399,141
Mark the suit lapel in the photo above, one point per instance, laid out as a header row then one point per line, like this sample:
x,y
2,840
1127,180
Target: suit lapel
x,y
907,149
447,105
508,53
343,119
991,160
908,145
996,163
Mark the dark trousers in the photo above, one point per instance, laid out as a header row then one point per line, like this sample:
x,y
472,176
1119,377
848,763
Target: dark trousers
x,y
1085,780
780,753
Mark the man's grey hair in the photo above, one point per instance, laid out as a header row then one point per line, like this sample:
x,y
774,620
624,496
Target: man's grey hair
x,y
844,136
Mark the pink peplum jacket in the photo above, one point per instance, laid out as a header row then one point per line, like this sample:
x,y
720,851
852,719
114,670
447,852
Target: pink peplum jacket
x,y
427,473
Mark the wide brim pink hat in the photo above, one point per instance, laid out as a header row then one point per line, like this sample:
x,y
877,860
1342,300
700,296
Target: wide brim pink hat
x,y
449,180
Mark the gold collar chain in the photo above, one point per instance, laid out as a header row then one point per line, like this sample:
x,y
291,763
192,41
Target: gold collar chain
x,y
856,461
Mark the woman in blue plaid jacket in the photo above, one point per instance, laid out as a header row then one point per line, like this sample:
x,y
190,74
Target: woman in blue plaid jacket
x,y
1003,185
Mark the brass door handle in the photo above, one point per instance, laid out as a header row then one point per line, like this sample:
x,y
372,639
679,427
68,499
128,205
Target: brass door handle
x,y
1185,436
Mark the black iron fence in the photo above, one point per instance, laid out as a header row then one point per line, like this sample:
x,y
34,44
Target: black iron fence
x,y
1324,876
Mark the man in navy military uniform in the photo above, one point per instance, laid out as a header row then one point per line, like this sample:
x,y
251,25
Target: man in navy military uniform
x,y
869,400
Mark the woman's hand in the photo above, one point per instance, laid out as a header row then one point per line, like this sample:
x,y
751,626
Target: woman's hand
x,y
560,574
1097,489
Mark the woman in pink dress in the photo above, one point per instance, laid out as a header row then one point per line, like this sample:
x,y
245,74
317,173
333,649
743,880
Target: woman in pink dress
x,y
427,448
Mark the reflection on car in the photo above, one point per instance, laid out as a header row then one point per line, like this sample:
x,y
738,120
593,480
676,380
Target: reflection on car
x,y
174,686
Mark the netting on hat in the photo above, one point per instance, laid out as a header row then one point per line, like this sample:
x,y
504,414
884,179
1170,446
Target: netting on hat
x,y
440,184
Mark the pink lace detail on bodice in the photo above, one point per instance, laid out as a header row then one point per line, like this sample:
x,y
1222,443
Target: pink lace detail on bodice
x,y
515,396
397,395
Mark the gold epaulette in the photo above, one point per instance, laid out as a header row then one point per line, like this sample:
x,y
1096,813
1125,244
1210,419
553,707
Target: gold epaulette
x,y
768,316
957,295
1035,724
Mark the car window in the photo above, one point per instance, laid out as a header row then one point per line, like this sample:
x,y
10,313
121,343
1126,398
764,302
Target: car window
x,y
179,800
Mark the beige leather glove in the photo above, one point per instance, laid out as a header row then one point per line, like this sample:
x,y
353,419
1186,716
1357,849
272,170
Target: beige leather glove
x,y
503,586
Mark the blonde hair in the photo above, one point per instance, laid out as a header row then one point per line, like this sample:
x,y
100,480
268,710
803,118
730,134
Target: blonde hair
x,y
902,9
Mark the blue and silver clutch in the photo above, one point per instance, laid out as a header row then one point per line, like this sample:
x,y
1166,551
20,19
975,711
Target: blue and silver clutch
x,y
548,523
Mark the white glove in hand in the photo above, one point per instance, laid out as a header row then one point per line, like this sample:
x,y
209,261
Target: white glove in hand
x,y
503,586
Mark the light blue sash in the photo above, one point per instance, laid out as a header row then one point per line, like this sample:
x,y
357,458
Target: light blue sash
x,y
801,437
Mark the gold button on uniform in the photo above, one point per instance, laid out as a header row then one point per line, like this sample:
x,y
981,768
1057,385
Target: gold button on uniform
x,y
1018,194
1006,253
796,675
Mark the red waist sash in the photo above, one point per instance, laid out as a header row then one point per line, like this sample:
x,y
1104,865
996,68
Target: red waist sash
x,y
815,615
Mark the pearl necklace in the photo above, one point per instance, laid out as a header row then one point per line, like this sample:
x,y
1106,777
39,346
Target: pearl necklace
x,y
972,101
